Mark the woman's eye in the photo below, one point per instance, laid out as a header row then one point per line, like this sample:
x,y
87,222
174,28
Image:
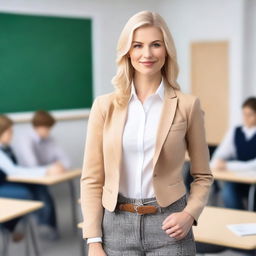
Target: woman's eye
x,y
156,45
136,46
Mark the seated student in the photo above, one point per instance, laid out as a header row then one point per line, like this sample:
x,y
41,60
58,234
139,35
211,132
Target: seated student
x,y
36,147
8,166
237,152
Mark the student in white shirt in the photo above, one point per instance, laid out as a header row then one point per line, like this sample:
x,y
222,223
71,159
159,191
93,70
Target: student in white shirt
x,y
36,147
237,152
10,167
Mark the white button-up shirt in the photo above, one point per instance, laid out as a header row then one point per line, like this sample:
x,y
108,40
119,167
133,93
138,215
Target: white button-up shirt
x,y
138,146
139,139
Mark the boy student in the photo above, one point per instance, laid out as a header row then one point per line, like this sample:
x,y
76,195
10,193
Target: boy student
x,y
237,152
9,166
35,148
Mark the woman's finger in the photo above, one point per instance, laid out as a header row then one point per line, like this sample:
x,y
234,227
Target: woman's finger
x,y
176,233
179,237
167,219
172,230
169,224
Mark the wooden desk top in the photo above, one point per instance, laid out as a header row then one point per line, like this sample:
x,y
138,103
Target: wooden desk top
x,y
80,225
226,175
13,208
212,227
47,180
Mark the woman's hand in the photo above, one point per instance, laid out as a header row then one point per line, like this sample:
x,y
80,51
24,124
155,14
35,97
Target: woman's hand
x,y
178,224
95,249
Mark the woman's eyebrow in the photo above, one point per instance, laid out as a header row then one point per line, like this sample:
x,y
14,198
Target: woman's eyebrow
x,y
151,42
157,41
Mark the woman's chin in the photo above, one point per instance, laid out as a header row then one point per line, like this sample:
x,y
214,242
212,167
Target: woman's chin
x,y
148,72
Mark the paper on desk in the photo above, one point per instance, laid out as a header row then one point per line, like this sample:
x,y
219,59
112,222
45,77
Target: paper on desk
x,y
245,229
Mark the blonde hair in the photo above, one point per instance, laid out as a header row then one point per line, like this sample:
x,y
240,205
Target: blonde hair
x,y
125,71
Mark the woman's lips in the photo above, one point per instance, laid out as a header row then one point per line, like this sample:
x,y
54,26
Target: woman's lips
x,y
147,63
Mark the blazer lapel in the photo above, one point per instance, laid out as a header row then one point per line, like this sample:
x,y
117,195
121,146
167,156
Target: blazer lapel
x,y
119,119
166,119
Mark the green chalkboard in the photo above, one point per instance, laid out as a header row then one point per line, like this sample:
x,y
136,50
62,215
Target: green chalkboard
x,y
45,63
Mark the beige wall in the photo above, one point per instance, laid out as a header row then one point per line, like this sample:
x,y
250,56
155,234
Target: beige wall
x,y
209,81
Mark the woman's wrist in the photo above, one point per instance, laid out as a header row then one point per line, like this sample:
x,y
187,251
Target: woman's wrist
x,y
95,244
189,215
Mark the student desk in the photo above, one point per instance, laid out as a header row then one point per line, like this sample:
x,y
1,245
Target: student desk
x,y
13,208
68,176
212,228
80,225
225,175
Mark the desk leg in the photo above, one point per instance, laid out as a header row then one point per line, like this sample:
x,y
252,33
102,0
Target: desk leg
x,y
73,205
31,233
6,241
251,197
27,236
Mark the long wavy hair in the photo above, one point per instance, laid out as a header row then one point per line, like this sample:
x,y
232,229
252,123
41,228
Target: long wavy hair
x,y
125,71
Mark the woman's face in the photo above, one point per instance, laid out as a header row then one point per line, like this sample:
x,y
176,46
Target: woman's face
x,y
147,52
249,117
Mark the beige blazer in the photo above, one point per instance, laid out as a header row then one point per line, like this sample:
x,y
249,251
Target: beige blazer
x,y
181,128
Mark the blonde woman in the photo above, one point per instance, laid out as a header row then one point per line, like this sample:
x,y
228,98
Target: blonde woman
x,y
133,196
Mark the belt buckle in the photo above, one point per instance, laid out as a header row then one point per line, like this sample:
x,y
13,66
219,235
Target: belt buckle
x,y
136,207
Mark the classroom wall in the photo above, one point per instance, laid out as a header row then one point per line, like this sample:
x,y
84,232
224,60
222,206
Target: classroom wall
x,y
206,20
250,49
189,21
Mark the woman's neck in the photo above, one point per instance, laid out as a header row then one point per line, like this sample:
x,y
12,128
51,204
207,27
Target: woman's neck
x,y
146,85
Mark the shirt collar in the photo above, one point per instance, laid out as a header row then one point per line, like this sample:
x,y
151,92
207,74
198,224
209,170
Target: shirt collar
x,y
249,129
159,91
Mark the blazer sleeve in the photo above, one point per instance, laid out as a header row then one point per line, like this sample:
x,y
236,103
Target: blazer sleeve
x,y
199,158
92,178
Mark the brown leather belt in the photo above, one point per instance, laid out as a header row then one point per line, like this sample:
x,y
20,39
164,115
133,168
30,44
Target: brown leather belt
x,y
140,209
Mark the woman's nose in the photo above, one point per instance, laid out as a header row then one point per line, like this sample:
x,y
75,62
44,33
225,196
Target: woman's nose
x,y
147,52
